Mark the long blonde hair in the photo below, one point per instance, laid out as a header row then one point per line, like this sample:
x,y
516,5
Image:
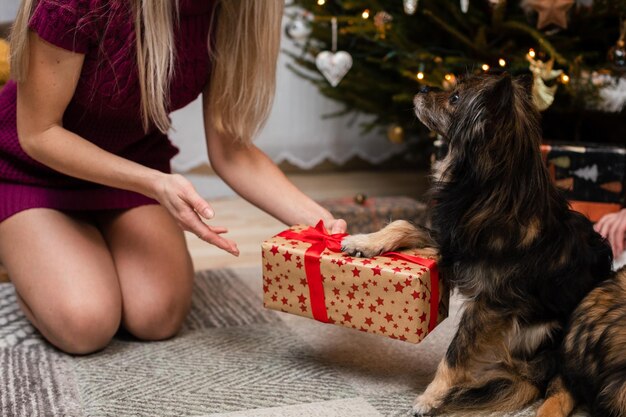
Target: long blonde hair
x,y
244,55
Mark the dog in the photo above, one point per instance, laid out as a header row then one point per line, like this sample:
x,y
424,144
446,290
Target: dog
x,y
507,241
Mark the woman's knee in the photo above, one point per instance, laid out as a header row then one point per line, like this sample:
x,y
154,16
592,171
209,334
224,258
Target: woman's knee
x,y
84,326
158,314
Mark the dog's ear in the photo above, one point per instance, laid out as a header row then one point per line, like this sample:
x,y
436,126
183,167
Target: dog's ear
x,y
502,94
526,81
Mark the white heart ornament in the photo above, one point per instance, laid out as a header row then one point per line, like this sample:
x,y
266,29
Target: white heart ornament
x,y
333,65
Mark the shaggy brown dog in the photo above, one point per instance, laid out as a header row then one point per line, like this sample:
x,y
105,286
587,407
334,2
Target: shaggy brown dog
x,y
507,241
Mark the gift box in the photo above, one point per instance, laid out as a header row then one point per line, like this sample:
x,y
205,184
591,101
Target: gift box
x,y
367,215
590,175
398,295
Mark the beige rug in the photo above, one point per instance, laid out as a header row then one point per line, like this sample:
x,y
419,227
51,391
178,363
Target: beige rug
x,y
233,359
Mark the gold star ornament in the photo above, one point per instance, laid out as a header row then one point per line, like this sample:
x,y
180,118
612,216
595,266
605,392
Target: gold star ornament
x,y
551,12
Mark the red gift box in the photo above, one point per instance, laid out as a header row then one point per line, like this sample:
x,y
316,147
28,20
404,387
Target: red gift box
x,y
398,294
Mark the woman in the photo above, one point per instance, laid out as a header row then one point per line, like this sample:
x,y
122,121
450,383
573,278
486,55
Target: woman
x,y
84,156
613,227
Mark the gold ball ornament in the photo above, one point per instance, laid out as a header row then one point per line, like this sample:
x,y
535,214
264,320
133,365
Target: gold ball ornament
x,y
395,133
4,61
360,199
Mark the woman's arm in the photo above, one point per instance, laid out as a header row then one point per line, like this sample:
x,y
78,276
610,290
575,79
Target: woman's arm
x,y
257,179
52,77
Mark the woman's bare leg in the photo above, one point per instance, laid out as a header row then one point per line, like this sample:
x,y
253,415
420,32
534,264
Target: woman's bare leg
x,y
154,269
64,276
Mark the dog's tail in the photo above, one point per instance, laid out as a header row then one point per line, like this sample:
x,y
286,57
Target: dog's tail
x,y
611,400
496,394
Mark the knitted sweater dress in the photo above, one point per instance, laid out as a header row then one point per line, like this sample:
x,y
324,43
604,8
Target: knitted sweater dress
x,y
105,108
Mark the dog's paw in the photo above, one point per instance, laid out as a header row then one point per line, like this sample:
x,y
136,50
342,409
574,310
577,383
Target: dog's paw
x,y
361,246
425,405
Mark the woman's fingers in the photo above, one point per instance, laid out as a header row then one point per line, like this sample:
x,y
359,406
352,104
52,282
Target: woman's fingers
x,y
198,203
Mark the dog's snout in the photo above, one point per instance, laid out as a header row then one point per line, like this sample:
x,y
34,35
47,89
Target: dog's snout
x,y
425,89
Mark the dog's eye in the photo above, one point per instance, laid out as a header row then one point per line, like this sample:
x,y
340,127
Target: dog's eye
x,y
454,98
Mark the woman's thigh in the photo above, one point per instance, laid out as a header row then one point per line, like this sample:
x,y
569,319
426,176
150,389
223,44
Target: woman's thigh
x,y
154,269
64,276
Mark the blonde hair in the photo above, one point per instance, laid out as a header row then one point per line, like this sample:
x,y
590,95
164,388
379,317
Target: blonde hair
x,y
244,55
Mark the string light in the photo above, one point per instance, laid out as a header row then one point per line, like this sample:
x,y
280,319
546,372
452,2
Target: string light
x,y
564,78
485,67
531,53
420,75
502,62
448,77
365,14
321,2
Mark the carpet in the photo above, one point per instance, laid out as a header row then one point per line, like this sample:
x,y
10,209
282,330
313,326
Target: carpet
x,y
232,359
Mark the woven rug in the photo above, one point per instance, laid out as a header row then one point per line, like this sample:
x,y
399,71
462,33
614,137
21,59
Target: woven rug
x,y
233,358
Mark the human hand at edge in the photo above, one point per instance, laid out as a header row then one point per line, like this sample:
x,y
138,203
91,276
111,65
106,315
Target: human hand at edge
x,y
180,198
337,226
613,227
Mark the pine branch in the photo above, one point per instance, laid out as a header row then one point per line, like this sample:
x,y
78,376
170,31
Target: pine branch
x,y
455,33
538,36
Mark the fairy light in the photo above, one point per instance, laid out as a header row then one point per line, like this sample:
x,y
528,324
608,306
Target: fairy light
x,y
502,62
564,78
321,2
485,67
448,77
531,53
365,14
420,75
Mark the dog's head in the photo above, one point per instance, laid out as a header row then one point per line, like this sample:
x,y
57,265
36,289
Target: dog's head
x,y
489,119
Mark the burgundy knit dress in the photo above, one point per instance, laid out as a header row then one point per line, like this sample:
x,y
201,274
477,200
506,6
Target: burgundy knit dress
x,y
105,108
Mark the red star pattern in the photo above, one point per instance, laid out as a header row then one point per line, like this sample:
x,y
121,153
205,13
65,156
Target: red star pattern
x,y
353,296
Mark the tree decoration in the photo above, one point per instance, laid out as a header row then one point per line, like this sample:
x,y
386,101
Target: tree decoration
x,y
395,133
550,11
299,28
613,96
334,65
617,53
464,6
382,20
543,95
410,6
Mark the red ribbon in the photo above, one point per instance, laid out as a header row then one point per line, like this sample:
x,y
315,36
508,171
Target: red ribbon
x,y
321,240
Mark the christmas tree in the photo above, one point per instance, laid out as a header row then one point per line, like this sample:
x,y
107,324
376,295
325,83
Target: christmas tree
x,y
382,52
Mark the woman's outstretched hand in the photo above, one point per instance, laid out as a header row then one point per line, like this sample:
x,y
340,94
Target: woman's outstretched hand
x,y
337,226
613,227
180,198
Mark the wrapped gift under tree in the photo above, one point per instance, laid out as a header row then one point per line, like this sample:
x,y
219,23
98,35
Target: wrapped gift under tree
x,y
398,295
591,175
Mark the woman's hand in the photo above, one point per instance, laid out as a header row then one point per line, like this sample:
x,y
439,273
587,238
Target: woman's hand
x,y
613,227
180,198
335,226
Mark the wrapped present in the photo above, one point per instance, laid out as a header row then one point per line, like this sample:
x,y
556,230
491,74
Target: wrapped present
x,y
367,215
590,175
398,295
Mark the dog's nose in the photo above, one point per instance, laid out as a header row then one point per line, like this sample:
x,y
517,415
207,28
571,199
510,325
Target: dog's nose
x,y
425,89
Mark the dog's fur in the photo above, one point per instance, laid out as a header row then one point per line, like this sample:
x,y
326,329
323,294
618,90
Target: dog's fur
x,y
507,241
